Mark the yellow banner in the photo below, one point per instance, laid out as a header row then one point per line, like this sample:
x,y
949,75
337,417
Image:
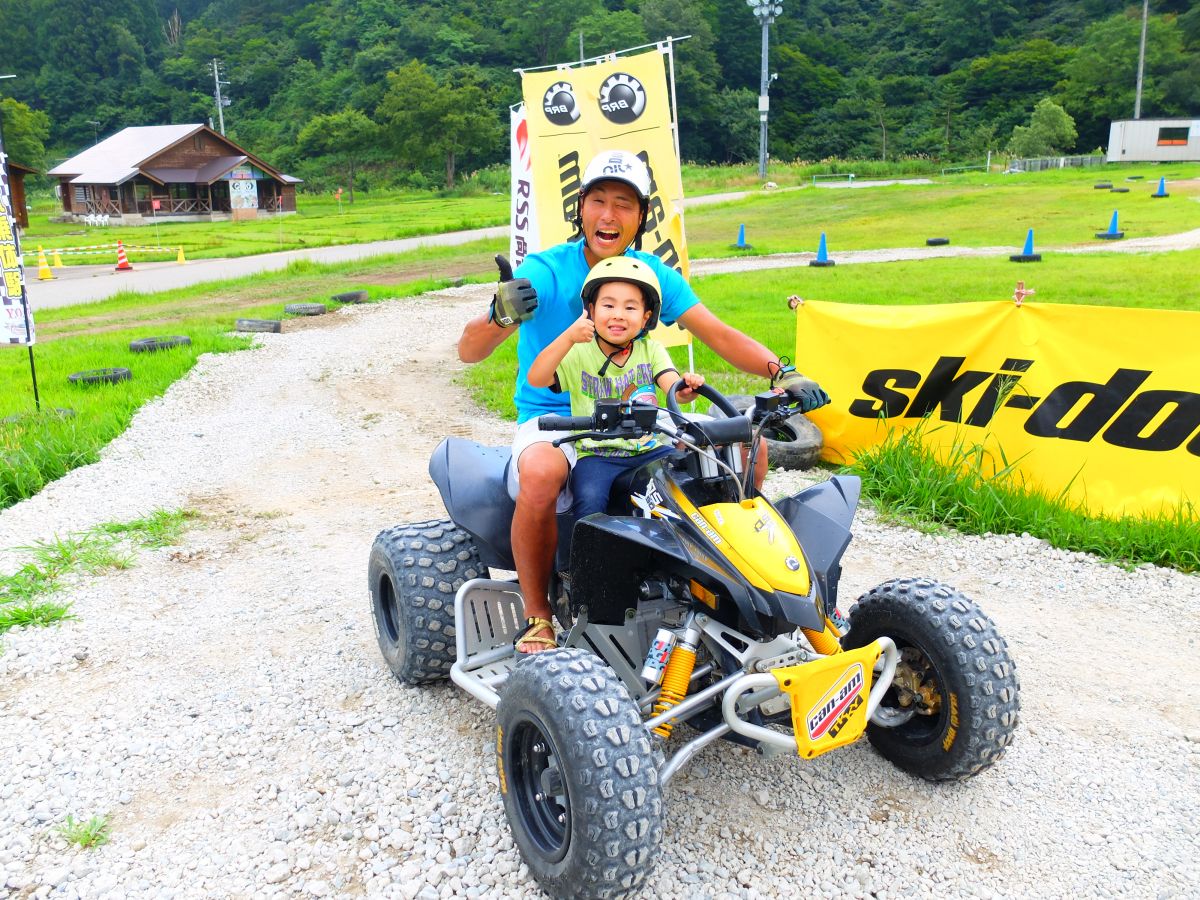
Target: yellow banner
x,y
574,112
1101,403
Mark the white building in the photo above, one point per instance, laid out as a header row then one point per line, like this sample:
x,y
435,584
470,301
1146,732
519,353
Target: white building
x,y
1154,140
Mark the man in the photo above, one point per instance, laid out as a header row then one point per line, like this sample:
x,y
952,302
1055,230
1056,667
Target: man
x,y
544,301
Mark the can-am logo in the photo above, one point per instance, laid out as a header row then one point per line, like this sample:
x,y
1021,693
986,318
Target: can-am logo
x,y
1113,410
622,98
558,103
838,700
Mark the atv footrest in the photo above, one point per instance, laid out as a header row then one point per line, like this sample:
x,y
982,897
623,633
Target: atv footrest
x,y
488,616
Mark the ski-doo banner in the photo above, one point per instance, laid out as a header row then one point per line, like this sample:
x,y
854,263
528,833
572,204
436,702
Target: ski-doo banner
x,y
1100,405
574,112
16,319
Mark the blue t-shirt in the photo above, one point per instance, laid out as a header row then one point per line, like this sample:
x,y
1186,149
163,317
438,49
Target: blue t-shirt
x,y
557,274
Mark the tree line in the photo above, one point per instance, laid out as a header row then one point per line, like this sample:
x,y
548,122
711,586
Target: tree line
x,y
408,93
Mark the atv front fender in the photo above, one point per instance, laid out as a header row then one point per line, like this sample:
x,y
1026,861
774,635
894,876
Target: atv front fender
x,y
820,517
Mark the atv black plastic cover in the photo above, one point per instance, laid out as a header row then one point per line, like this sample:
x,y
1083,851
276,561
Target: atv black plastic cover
x,y
611,557
821,517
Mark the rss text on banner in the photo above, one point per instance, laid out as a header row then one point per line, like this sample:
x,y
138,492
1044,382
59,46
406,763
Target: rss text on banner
x,y
1100,403
523,213
574,112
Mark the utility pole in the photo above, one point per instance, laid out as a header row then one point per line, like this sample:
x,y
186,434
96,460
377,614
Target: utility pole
x,y
222,102
765,11
1137,103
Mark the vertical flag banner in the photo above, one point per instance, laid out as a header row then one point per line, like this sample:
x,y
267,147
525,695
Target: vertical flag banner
x,y
16,324
1099,404
574,112
523,212
571,113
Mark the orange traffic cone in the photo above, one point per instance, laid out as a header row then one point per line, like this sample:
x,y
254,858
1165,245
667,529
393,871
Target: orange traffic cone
x,y
122,260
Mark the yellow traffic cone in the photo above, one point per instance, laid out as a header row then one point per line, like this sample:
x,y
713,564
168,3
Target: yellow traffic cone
x,y
179,259
44,273
57,260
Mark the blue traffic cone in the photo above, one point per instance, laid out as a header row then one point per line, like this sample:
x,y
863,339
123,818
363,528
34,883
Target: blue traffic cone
x,y
741,241
822,259
1112,234
1027,255
1162,189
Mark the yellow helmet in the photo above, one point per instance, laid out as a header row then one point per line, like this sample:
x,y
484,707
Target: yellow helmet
x,y
631,269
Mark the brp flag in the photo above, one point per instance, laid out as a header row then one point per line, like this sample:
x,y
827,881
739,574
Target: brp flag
x,y
574,112
522,239
16,324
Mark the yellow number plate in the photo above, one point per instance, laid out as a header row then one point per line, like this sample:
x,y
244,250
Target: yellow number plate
x,y
829,698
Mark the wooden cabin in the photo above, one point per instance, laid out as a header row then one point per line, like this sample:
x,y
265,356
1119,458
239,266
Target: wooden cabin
x,y
172,173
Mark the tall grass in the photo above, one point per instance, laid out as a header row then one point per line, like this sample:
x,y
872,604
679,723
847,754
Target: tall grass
x,y
976,490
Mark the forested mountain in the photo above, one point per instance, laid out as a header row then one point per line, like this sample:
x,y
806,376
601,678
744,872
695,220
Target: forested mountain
x,y
410,91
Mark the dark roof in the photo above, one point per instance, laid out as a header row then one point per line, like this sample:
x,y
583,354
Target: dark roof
x,y
16,165
206,174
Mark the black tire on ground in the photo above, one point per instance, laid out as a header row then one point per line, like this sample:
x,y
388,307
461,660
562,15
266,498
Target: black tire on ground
x,y
413,574
1118,190
936,242
578,775
151,344
271,326
351,297
305,309
100,376
796,444
956,663
1102,186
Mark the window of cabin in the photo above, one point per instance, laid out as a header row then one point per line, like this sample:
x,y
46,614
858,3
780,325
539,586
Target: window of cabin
x,y
1173,137
198,141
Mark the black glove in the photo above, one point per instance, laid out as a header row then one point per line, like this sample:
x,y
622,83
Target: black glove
x,y
800,388
514,300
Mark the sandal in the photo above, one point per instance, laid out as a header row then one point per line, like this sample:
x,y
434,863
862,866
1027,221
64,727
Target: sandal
x,y
531,625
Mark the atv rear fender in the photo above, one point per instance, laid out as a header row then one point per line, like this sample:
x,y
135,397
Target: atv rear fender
x,y
821,516
472,481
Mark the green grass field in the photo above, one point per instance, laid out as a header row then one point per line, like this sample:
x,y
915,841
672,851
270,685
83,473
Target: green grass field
x,y
973,209
319,222
1062,207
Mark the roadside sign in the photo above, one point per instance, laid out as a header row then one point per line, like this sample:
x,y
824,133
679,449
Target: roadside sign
x,y
16,319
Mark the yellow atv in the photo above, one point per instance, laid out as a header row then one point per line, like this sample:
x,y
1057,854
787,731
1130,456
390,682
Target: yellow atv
x,y
692,601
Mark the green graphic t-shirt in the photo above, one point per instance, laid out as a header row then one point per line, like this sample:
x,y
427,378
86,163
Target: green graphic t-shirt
x,y
577,375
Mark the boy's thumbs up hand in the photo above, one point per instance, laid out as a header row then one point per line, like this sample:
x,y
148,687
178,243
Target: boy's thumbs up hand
x,y
582,329
515,299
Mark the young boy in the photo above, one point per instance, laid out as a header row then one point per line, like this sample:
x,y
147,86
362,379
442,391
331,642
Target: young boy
x,y
600,357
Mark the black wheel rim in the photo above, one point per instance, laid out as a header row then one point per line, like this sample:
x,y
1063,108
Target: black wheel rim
x,y
535,783
920,729
388,611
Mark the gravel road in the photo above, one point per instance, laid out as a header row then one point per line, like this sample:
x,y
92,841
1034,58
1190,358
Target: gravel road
x,y
224,703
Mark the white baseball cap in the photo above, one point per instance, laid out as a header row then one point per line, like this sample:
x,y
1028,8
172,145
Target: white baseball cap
x,y
618,165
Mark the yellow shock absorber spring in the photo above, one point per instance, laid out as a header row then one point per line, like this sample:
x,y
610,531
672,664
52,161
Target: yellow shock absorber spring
x,y
824,642
676,678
